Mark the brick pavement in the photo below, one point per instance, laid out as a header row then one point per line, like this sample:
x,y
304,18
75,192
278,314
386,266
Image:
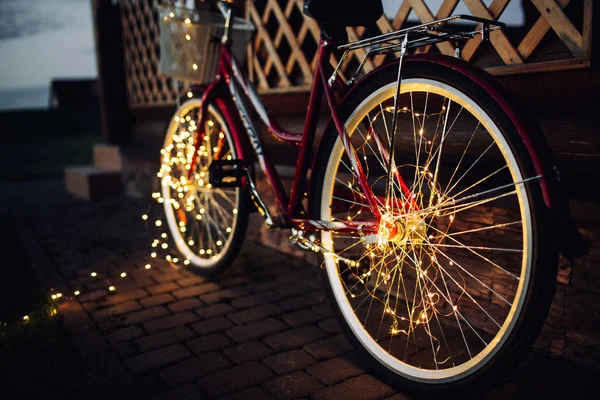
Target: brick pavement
x,y
261,330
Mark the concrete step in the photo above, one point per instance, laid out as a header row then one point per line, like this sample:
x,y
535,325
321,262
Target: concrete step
x,y
93,183
107,157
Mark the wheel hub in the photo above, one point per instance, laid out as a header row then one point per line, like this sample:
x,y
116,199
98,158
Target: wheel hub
x,y
401,231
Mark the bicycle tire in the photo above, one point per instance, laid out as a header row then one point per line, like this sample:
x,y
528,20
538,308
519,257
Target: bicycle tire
x,y
535,288
220,218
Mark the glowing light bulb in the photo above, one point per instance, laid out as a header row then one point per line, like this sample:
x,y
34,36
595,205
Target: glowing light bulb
x,y
93,274
123,274
147,266
77,293
112,288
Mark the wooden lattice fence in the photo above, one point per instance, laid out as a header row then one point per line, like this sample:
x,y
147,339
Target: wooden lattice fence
x,y
282,56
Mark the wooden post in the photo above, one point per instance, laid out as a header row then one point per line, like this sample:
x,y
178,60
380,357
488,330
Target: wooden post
x,y
112,89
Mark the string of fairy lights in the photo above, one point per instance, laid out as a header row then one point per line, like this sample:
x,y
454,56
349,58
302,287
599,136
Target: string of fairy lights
x,y
381,268
402,271
183,189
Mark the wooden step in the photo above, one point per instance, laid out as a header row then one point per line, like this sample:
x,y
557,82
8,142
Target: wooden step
x,y
93,183
107,157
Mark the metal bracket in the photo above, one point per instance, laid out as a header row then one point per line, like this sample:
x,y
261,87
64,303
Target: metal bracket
x,y
305,243
258,202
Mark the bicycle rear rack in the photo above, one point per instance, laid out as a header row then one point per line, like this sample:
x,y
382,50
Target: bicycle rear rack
x,y
417,36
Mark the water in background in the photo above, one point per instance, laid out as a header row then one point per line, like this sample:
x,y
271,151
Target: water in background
x,y
41,40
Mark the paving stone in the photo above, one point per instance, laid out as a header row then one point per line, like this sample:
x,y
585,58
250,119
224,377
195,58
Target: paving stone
x,y
254,300
289,361
109,368
250,351
184,392
89,306
125,349
214,310
196,290
212,325
323,309
143,315
338,369
262,286
255,313
124,296
96,285
135,283
294,338
235,280
168,275
157,358
330,325
330,347
234,379
403,397
215,341
293,386
92,296
191,280
194,368
163,287
182,318
157,300
174,335
363,387
151,383
299,276
255,330
318,296
301,317
184,305
123,334
295,303
225,294
294,289
116,310
255,393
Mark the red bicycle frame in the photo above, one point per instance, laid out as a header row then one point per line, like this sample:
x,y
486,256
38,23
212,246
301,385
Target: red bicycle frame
x,y
290,208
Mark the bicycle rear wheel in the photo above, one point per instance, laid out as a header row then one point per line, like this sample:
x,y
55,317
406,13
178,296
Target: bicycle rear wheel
x,y
454,289
207,224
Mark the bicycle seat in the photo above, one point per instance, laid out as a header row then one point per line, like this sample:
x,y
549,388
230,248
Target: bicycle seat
x,y
343,13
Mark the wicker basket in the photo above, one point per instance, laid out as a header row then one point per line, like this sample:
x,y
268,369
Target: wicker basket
x,y
190,41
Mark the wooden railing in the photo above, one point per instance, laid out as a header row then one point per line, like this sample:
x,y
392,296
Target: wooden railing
x,y
282,56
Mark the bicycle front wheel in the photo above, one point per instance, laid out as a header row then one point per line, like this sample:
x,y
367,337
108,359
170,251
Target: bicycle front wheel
x,y
458,280
207,224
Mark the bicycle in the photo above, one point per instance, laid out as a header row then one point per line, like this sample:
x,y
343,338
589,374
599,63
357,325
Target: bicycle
x,y
433,201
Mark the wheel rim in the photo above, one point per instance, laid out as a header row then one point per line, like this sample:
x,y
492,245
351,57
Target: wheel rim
x,y
202,219
390,349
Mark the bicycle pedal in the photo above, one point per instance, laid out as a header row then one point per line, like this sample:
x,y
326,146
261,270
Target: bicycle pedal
x,y
226,173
